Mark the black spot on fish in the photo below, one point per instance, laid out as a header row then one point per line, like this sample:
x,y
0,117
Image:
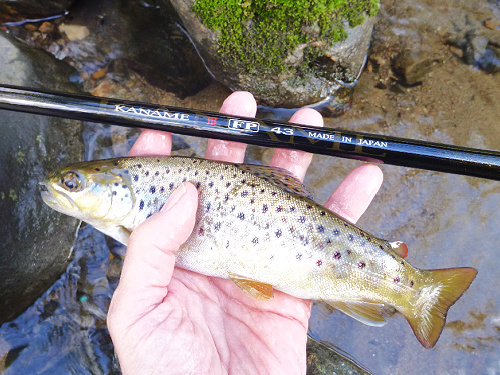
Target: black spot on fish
x,y
116,184
196,173
162,189
97,169
167,171
226,197
221,177
264,208
201,231
298,256
292,229
114,192
217,226
396,279
321,228
361,265
322,213
402,263
149,215
139,165
243,181
207,172
302,219
262,191
241,216
336,232
198,184
292,209
188,169
244,193
308,206
412,283
228,184
180,170
278,233
208,206
349,252
184,179
381,247
350,237
147,173
255,240
337,255
136,177
274,193
141,205
171,186
124,186
279,209
152,189
157,173
252,201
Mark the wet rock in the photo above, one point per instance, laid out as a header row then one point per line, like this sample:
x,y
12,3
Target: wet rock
x,y
36,241
19,10
323,360
250,50
412,66
108,41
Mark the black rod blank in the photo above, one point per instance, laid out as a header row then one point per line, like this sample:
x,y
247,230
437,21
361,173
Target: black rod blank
x,y
326,141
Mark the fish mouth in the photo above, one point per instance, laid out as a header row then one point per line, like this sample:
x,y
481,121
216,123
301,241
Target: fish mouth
x,y
56,199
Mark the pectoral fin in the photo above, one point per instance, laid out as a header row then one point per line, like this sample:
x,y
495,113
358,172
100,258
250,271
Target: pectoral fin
x,y
366,312
252,288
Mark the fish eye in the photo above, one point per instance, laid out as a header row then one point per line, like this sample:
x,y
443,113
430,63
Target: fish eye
x,y
71,181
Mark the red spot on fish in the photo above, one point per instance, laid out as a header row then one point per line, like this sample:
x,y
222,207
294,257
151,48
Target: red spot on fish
x,y
201,231
396,279
361,265
319,262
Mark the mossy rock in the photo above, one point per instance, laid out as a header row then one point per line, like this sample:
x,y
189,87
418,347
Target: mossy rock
x,y
287,53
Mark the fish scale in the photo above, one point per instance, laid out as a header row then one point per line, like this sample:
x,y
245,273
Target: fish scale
x,y
259,227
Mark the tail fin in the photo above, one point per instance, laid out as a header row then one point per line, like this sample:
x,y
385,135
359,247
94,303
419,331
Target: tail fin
x,y
441,290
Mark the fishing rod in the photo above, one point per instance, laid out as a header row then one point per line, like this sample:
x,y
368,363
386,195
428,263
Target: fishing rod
x,y
269,133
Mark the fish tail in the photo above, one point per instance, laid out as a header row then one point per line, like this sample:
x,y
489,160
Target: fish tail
x,y
441,289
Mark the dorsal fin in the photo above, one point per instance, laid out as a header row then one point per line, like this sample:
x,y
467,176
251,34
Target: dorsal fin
x,y
278,176
365,312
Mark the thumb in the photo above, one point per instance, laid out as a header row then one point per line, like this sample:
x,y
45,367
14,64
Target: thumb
x,y
149,262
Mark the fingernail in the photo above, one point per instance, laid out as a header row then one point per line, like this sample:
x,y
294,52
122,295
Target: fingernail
x,y
174,197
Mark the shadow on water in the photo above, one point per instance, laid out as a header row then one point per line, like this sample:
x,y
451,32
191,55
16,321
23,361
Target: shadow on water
x,y
65,332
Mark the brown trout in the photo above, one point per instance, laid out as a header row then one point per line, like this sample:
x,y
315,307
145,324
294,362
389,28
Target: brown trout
x,y
257,226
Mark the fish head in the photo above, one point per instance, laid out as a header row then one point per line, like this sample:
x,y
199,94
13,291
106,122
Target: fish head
x,y
98,193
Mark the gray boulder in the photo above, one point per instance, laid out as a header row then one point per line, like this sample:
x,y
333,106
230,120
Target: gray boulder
x,y
36,241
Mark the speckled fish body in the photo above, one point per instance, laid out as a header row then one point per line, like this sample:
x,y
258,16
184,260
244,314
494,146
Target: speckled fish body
x,y
256,226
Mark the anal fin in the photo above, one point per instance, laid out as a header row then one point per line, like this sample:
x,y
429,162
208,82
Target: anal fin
x,y
365,312
252,288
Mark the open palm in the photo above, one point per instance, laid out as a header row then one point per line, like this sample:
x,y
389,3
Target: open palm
x,y
164,319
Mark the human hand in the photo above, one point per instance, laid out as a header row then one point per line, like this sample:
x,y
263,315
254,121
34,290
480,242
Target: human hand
x,y
165,319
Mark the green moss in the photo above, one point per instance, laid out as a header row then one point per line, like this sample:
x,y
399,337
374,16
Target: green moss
x,y
12,194
258,33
